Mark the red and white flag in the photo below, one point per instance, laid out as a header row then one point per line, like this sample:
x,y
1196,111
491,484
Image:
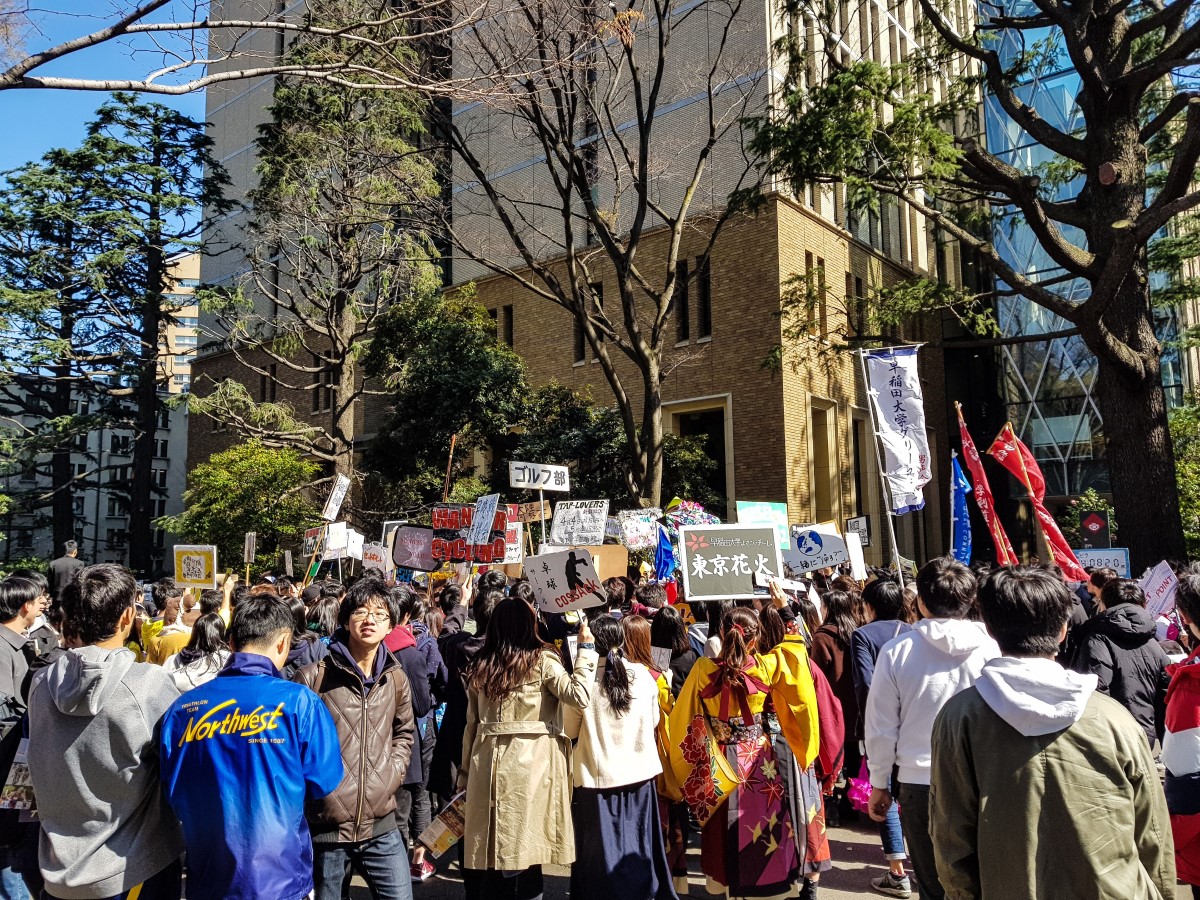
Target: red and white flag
x,y
983,495
1015,456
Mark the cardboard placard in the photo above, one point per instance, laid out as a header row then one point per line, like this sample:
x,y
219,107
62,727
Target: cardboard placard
x,y
412,548
610,560
249,547
816,547
533,512
337,497
336,536
858,565
354,544
312,537
860,525
720,561
481,519
538,477
452,526
196,566
565,580
579,523
514,543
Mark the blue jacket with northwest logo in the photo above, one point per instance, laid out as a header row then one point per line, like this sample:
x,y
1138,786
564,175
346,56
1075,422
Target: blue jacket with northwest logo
x,y
239,756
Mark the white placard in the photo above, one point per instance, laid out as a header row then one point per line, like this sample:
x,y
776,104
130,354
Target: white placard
x,y
336,536
858,565
376,556
538,477
354,544
817,547
1115,558
336,498
1160,587
482,518
514,543
287,563
579,523
565,580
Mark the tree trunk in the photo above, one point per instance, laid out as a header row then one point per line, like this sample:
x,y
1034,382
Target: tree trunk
x,y
140,538
652,439
1140,457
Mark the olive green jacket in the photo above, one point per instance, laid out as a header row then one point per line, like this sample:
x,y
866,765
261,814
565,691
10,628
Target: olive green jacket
x,y
1078,814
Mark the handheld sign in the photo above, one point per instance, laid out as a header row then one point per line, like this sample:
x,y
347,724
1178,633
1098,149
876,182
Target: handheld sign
x,y
1160,586
287,563
375,556
514,548
538,477
533,512
248,549
639,527
579,522
196,566
721,561
758,512
412,548
858,565
565,581
354,544
860,525
481,519
336,497
1115,558
817,547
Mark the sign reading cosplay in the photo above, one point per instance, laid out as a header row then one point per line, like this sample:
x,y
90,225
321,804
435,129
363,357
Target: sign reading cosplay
x,y
895,392
579,522
565,581
721,561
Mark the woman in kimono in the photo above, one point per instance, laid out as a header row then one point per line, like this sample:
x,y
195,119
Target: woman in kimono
x,y
753,843
516,756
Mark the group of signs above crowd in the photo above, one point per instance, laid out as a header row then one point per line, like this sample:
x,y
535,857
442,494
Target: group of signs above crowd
x,y
585,545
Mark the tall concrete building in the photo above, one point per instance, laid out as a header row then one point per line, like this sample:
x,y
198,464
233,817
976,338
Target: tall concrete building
x,y
799,432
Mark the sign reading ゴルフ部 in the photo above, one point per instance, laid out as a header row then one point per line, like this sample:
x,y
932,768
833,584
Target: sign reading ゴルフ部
x,y
720,561
538,476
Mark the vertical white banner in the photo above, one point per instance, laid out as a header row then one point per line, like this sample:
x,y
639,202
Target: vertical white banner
x,y
895,393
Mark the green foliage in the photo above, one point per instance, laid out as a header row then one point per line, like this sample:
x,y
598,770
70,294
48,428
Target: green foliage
x,y
563,427
249,487
1185,437
1088,501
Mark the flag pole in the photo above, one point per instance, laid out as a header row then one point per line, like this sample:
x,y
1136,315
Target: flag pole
x,y
953,457
887,494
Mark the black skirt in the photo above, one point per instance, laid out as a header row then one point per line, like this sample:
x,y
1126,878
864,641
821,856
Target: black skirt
x,y
619,848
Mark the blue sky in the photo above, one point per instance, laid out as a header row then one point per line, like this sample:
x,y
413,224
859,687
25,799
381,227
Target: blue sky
x,y
34,121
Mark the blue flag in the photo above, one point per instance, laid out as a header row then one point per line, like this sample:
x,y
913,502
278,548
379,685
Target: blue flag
x,y
960,520
664,556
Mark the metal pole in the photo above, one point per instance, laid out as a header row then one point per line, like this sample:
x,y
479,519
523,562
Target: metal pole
x,y
950,542
887,496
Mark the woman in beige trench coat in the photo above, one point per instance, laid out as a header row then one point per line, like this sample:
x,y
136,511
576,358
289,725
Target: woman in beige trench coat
x,y
516,767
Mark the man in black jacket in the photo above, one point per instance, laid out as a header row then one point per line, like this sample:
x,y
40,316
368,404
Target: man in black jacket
x,y
63,569
1118,646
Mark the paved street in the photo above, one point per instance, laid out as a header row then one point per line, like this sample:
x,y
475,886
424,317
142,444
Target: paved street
x,y
856,860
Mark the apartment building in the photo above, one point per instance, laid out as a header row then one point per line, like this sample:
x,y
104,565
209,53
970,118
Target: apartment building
x,y
799,431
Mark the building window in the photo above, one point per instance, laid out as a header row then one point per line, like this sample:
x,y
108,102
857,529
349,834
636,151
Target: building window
x,y
683,303
505,324
159,538
322,398
189,282
118,475
24,538
77,505
80,443
186,340
115,538
28,476
120,444
161,507
703,298
80,469
183,382
116,506
82,407
187,321
160,449
580,341
164,418
158,477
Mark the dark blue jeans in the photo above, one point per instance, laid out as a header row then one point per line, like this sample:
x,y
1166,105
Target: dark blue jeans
x,y
381,861
166,885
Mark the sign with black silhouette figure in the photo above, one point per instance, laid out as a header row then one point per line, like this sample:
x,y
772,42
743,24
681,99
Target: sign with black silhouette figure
x,y
565,581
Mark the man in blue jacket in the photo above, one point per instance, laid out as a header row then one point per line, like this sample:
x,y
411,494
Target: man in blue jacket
x,y
240,755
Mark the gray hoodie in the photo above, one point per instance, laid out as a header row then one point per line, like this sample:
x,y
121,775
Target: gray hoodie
x,y
93,757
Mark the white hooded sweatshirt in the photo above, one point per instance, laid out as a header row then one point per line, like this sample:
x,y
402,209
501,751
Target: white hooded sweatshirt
x,y
915,675
1034,696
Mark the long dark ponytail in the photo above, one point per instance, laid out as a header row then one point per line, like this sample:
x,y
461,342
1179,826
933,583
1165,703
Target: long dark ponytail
x,y
610,643
739,640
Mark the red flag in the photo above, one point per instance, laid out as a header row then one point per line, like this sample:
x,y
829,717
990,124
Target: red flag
x,y
983,496
1015,456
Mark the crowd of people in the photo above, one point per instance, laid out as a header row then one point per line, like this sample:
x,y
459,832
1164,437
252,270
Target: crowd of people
x,y
999,724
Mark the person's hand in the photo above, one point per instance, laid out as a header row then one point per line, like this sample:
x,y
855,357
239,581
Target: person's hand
x,y
778,597
585,633
879,804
